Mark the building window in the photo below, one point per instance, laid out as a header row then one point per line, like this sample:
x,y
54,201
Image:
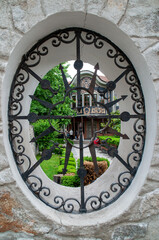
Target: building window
x,y
95,96
86,100
81,100
101,99
74,102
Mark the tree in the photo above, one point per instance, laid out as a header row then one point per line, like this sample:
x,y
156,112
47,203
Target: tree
x,y
57,84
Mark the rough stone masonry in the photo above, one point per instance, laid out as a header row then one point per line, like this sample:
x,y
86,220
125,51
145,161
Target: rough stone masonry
x,y
139,19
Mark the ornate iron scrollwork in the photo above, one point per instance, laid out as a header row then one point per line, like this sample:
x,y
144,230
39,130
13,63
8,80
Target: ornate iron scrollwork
x,y
15,115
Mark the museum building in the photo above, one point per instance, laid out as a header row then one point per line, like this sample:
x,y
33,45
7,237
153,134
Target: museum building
x,y
91,113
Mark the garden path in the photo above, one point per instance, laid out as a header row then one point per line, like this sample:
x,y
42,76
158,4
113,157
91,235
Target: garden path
x,y
99,153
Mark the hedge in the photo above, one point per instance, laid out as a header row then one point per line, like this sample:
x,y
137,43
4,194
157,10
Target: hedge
x,y
58,151
70,181
111,139
64,152
71,163
70,158
70,169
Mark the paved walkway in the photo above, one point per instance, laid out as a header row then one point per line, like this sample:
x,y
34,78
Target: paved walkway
x,y
99,153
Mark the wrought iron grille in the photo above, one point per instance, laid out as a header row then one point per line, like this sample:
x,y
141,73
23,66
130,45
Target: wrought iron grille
x,y
109,194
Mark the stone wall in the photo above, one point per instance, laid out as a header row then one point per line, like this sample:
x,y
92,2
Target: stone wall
x,y
139,19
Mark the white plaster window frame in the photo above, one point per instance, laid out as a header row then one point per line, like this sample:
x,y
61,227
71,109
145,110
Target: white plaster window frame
x,y
104,27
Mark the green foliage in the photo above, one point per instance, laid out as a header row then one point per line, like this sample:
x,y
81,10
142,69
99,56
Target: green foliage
x,y
50,166
70,141
64,152
111,139
59,140
71,159
70,181
56,82
115,122
70,169
58,150
46,141
71,163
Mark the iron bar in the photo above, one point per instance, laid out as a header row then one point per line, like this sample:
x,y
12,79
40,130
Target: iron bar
x,y
46,155
45,84
43,134
37,117
42,102
68,151
132,170
93,82
112,103
78,66
115,132
94,159
92,123
67,87
81,170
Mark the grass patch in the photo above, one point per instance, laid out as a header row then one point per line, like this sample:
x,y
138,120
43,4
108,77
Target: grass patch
x,y
50,167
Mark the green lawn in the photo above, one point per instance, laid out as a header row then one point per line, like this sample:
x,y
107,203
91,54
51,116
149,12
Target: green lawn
x,y
50,166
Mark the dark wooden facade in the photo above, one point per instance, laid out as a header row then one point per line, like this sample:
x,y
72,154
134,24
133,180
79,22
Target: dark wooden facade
x,y
91,115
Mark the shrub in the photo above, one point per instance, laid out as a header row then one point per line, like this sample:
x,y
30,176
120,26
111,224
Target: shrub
x,y
46,141
58,151
115,123
71,159
91,174
78,163
64,152
70,181
59,140
69,163
88,158
70,169
111,139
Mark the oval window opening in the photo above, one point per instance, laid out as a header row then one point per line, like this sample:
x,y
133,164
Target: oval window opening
x,y
55,123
